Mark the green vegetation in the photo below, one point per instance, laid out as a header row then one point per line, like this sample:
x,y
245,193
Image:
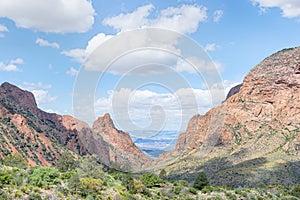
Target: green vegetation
x,y
151,180
201,181
15,161
85,179
66,162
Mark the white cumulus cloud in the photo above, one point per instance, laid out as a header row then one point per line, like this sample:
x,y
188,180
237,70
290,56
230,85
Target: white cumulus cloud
x,y
130,21
12,65
72,71
199,65
289,8
145,107
45,43
58,16
40,92
184,19
218,15
2,30
211,47
80,55
165,50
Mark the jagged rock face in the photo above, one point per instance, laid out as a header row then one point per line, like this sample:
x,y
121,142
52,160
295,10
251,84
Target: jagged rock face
x,y
234,91
33,133
121,152
260,122
24,98
41,137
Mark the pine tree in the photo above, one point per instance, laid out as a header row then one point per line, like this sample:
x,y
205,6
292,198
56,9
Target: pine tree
x,y
201,181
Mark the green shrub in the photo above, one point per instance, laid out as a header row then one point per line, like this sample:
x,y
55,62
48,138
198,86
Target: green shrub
x,y
90,186
34,196
15,161
207,189
296,191
67,175
163,174
193,190
74,183
177,190
126,179
89,167
66,162
4,195
43,176
6,177
201,181
151,180
181,183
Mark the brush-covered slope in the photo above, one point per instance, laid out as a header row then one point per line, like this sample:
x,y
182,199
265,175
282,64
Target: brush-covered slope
x,y
36,135
42,137
251,138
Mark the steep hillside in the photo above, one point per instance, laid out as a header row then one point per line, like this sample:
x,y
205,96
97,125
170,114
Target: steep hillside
x,y
253,137
41,137
114,147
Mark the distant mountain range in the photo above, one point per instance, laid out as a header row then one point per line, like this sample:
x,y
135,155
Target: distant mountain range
x,y
155,143
252,138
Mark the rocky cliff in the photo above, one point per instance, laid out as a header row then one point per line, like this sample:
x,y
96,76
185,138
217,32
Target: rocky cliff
x,y
122,152
41,137
251,138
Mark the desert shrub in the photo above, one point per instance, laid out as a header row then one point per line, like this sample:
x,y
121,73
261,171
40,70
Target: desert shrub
x,y
163,174
89,167
66,162
193,190
177,190
296,191
151,180
74,183
90,186
126,179
6,177
139,187
34,196
4,195
201,181
181,183
43,176
207,189
67,175
15,161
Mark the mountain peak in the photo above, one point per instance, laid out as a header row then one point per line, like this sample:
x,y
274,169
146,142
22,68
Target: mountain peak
x,y
259,121
104,121
22,97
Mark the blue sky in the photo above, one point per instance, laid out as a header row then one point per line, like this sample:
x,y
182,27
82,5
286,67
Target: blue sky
x,y
44,45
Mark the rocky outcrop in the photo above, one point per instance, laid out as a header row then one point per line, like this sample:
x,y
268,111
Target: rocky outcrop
x,y
234,91
121,152
259,125
41,137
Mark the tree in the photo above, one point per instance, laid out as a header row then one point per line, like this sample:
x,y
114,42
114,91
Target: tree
x,y
296,191
151,180
74,183
201,181
163,174
66,162
16,161
42,176
89,167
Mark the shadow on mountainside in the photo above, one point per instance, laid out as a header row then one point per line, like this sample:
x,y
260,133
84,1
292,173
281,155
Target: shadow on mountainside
x,y
250,173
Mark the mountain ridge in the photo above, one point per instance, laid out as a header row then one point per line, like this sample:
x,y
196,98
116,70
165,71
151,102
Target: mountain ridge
x,y
259,130
42,137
